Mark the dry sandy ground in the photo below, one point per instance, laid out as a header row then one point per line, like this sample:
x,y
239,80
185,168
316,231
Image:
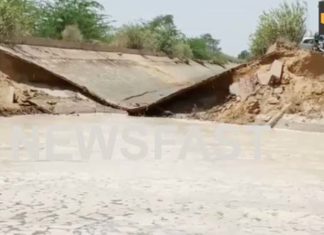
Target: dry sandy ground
x,y
282,192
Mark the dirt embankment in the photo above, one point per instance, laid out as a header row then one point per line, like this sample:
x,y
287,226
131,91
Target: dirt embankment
x,y
254,97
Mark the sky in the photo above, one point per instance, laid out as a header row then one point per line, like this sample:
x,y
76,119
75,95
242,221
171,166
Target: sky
x,y
230,21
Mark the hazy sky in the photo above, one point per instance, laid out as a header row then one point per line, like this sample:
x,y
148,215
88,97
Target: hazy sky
x,y
230,21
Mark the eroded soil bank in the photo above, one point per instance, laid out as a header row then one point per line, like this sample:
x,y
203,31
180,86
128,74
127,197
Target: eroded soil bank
x,y
299,91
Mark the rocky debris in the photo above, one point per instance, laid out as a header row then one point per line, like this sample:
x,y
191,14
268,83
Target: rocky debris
x,y
278,90
319,90
273,100
273,76
253,107
263,118
286,82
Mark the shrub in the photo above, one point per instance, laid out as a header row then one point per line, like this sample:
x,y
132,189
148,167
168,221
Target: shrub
x,y
219,59
199,49
136,36
288,21
150,41
131,36
182,51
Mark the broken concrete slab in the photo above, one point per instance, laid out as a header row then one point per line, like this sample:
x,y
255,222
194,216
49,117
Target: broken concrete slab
x,y
273,76
125,81
276,71
234,89
7,91
243,88
7,95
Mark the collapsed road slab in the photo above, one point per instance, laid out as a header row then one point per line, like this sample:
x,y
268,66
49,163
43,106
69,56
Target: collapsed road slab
x,y
126,81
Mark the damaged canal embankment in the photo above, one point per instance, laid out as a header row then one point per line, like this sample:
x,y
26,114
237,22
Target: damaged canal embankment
x,y
285,83
60,80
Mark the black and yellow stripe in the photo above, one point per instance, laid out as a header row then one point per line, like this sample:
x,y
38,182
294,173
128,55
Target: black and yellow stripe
x,y
321,17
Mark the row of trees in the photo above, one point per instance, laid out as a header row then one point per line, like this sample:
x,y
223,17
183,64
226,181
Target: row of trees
x,y
161,35
85,20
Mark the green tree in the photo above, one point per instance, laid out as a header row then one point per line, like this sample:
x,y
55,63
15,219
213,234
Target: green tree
x,y
288,21
199,49
205,47
244,55
212,43
86,14
166,32
17,18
